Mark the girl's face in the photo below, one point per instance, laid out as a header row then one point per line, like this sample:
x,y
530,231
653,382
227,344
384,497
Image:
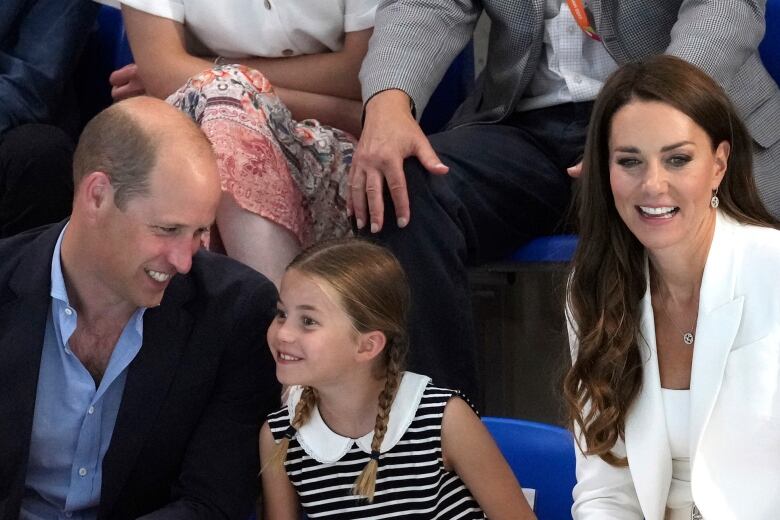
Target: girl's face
x,y
663,169
312,339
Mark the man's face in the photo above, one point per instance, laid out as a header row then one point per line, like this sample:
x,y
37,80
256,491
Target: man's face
x,y
156,235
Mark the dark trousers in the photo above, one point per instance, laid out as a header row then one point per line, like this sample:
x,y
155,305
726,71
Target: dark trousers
x,y
507,184
36,182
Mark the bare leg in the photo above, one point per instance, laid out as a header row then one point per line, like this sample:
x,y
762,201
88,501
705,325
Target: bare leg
x,y
255,241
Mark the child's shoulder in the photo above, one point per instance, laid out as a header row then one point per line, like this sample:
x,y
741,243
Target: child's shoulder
x,y
442,395
279,422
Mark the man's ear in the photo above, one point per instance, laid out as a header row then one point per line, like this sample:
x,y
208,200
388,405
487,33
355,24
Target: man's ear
x,y
370,345
95,191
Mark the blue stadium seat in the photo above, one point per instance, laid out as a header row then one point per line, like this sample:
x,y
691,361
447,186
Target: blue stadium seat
x,y
107,49
452,90
542,458
770,46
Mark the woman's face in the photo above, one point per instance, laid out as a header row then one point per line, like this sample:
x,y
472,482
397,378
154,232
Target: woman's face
x,y
662,170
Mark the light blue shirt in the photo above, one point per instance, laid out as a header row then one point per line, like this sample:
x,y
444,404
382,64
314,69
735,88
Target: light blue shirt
x,y
73,420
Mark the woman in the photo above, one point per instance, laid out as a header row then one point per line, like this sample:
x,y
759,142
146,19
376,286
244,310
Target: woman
x,y
281,118
673,308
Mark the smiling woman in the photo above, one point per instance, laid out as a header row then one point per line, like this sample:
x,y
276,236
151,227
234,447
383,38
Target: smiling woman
x,y
670,276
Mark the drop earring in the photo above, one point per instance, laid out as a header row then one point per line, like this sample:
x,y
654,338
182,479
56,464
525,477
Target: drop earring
x,y
715,201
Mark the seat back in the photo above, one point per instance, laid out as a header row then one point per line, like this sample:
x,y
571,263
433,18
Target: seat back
x,y
770,45
107,49
452,90
542,458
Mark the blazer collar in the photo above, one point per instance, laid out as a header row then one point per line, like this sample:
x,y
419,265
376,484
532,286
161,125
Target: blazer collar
x,y
720,312
167,329
647,443
22,327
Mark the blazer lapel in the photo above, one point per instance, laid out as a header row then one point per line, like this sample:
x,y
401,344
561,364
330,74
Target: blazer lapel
x,y
720,314
165,334
22,329
647,442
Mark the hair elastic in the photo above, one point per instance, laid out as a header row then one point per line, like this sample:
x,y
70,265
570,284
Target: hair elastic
x,y
374,455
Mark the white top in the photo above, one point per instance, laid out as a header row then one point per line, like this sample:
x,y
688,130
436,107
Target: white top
x,y
326,446
677,408
266,28
573,67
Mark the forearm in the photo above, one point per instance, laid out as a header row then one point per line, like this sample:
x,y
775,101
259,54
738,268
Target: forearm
x,y
414,43
337,112
327,73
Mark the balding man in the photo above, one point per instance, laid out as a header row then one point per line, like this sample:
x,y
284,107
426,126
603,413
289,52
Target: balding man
x,y
133,366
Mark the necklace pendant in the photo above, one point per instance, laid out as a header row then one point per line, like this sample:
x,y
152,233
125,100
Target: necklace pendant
x,y
688,338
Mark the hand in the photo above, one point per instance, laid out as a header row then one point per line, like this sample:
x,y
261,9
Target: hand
x,y
390,135
575,171
126,83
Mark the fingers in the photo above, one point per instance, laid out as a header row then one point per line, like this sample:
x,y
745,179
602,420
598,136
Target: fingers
x,y
121,76
575,171
376,204
428,157
357,195
125,91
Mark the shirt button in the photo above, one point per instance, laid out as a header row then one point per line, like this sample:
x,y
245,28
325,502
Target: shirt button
x,y
83,472
577,79
288,52
91,410
570,29
68,311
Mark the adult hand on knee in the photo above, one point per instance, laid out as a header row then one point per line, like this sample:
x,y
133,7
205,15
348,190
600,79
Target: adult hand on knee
x,y
126,83
390,135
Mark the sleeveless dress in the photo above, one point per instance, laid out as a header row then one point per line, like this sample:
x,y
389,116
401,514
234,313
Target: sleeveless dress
x,y
411,481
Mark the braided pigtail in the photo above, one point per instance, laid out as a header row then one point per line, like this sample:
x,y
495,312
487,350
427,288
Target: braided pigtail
x,y
365,485
302,411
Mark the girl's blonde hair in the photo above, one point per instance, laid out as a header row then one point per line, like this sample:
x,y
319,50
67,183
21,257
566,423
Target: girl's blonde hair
x,y
373,291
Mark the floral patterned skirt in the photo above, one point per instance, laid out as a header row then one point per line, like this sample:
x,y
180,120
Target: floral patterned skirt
x,y
293,173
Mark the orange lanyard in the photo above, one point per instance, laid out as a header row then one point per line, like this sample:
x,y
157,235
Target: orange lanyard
x,y
580,13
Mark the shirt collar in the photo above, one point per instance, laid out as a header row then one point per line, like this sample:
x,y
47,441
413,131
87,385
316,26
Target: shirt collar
x,y
58,291
326,446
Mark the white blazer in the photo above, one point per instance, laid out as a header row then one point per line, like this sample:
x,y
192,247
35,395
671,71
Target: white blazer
x,y
735,398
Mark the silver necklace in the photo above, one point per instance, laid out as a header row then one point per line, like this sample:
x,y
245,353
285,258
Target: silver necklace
x,y
687,337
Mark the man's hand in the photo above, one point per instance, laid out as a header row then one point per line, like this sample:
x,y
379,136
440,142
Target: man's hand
x,y
390,135
126,83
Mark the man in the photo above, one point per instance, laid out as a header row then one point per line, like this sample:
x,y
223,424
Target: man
x,y
40,44
134,372
497,176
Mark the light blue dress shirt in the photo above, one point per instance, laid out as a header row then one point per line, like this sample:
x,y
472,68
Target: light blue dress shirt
x,y
73,420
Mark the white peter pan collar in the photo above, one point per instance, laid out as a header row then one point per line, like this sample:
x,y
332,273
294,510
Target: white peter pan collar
x,y
326,446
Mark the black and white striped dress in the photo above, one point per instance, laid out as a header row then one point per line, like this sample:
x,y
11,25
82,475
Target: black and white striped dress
x,y
411,482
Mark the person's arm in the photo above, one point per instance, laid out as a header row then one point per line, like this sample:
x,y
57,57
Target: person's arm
x,y
469,450
39,50
218,477
412,46
280,501
320,86
718,36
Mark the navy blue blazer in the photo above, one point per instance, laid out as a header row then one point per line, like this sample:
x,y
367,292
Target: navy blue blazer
x,y
185,443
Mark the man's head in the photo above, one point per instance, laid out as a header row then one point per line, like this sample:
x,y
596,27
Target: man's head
x,y
146,188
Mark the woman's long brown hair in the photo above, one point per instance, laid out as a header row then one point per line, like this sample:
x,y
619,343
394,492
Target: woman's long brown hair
x,y
608,281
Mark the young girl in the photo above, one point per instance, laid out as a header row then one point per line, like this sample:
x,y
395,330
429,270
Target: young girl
x,y
359,437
